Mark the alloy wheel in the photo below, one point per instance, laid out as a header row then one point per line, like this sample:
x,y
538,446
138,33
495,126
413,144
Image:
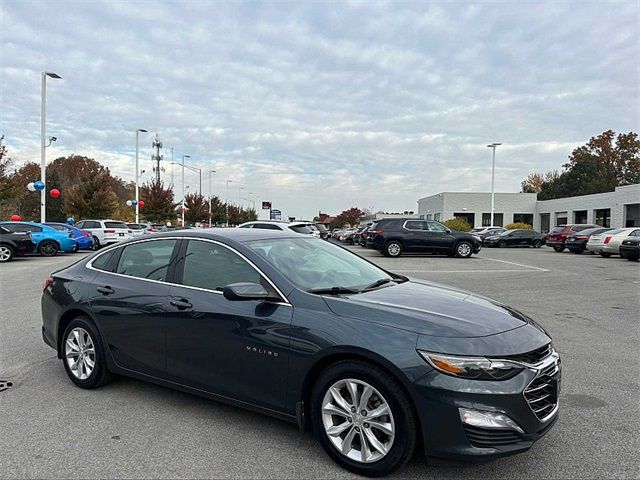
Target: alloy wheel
x,y
80,353
5,253
464,249
358,420
394,249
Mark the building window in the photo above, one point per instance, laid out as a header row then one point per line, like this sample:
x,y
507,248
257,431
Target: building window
x,y
580,216
523,218
428,216
603,217
561,218
470,218
497,220
545,219
436,217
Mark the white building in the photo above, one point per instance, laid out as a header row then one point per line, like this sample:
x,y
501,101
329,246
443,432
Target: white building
x,y
619,208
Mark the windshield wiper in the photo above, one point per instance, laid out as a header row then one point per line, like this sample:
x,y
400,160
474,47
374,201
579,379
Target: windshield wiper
x,y
379,283
333,290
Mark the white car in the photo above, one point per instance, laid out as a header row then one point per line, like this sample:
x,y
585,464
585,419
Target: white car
x,y
296,227
608,243
105,232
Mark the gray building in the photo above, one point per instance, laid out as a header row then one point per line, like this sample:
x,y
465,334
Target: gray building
x,y
619,208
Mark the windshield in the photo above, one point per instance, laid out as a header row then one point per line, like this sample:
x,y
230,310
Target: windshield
x,y
556,230
314,264
505,233
476,230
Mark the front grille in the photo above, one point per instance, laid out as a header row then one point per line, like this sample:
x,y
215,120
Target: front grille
x,y
490,437
532,357
542,392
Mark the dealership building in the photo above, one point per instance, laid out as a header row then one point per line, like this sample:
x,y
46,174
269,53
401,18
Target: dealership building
x,y
620,208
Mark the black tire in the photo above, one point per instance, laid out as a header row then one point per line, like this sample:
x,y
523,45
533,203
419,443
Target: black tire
x,y
502,244
463,249
100,374
577,251
537,243
48,248
632,258
76,249
6,253
605,254
96,243
393,249
405,423
559,249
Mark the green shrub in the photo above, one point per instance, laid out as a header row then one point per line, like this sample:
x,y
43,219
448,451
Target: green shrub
x,y
458,224
519,226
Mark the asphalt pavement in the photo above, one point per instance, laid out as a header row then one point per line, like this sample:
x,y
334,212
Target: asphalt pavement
x,y
130,429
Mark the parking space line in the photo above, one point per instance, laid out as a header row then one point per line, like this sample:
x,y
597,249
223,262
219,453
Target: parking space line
x,y
466,271
517,264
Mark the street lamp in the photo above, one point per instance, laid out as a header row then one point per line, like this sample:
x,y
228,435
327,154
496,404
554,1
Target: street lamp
x,y
226,201
138,172
210,195
43,139
493,176
183,157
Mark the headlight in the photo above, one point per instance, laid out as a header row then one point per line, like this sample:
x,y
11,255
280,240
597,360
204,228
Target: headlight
x,y
474,368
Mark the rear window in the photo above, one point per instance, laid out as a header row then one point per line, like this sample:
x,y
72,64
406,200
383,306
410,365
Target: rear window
x,y
322,227
264,226
103,261
57,227
580,228
556,230
301,229
135,226
116,225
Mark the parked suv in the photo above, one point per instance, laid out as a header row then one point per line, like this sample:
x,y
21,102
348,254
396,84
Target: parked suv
x,y
105,232
394,236
557,236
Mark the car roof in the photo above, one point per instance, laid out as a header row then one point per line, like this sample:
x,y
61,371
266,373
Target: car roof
x,y
237,234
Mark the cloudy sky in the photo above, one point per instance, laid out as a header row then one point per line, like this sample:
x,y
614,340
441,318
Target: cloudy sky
x,y
322,105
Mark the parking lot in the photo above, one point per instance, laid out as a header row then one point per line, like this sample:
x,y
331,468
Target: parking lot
x,y
131,429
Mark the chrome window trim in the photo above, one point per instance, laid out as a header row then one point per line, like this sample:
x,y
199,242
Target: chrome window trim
x,y
89,265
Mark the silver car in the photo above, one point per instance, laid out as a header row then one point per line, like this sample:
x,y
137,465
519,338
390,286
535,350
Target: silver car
x,y
608,243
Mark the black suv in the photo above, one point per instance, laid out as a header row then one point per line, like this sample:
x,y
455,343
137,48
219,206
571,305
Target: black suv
x,y
393,236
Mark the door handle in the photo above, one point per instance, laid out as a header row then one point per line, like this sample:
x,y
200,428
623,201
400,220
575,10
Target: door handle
x,y
106,290
181,304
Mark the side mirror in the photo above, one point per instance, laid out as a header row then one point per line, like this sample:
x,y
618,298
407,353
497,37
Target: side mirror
x,y
245,291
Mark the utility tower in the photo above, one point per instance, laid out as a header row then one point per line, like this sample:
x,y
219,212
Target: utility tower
x,y
157,157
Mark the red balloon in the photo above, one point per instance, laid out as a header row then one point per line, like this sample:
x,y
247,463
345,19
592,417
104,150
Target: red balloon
x,y
141,203
15,218
54,193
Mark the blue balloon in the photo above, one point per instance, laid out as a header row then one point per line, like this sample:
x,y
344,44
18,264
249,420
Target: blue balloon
x,y
38,185
134,202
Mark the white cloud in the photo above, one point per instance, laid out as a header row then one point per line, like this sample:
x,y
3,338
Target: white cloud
x,y
322,106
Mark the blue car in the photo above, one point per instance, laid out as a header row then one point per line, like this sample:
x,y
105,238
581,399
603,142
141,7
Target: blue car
x,y
49,241
82,237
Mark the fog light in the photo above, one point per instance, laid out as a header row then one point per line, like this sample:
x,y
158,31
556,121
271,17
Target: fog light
x,y
480,419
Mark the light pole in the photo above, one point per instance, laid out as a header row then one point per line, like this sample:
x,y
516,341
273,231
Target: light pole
x,y
226,201
43,146
138,171
210,195
183,157
493,176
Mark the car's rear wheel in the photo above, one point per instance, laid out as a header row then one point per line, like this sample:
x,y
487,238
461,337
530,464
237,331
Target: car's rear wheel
x,y
537,244
96,243
48,248
464,250
6,253
393,248
502,244
558,249
83,354
632,258
363,418
605,254
577,251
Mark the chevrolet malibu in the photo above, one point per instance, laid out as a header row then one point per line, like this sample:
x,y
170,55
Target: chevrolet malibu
x,y
377,364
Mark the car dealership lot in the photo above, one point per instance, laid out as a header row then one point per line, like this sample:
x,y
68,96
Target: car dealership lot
x,y
588,304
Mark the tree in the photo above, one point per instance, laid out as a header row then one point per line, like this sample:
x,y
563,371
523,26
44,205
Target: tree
x,y
159,204
93,198
351,216
198,208
535,181
218,211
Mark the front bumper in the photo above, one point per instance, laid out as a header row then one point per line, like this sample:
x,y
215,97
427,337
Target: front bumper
x,y
440,398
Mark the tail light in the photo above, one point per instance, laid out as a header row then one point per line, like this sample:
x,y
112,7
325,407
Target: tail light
x,y
376,232
128,231
47,283
85,233
582,237
607,239
109,231
151,229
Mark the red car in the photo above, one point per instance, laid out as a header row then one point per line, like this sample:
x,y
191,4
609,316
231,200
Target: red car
x,y
557,236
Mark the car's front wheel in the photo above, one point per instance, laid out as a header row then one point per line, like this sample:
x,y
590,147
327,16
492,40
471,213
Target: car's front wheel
x,y
363,418
83,354
464,250
393,249
48,248
502,244
559,249
6,253
537,243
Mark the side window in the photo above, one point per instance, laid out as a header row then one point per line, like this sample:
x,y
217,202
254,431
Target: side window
x,y
635,233
212,266
415,225
23,228
80,225
103,262
436,227
246,226
93,225
147,259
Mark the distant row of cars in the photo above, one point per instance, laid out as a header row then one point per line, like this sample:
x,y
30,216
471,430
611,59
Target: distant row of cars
x,y
605,241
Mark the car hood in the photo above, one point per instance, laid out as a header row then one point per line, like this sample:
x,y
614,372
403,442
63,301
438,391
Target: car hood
x,y
430,309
